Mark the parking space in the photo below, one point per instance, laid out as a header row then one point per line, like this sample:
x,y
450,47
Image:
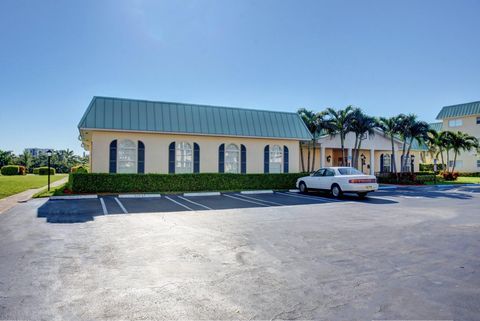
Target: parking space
x,y
112,205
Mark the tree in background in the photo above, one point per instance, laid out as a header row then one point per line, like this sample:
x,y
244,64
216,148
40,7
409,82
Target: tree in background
x,y
339,123
461,142
6,157
361,125
411,129
309,117
391,128
25,159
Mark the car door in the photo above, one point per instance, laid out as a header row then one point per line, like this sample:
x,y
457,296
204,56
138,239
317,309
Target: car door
x,y
327,179
316,179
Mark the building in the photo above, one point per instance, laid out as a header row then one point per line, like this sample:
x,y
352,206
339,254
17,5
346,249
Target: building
x,y
138,136
464,118
375,152
35,152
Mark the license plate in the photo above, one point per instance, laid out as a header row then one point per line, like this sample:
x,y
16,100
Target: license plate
x,y
369,187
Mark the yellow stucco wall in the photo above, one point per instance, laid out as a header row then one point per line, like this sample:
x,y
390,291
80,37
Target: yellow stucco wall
x,y
156,150
470,127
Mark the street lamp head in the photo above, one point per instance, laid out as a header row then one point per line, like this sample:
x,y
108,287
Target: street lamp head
x,y
49,153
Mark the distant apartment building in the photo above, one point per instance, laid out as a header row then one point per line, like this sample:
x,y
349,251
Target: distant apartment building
x,y
35,152
464,118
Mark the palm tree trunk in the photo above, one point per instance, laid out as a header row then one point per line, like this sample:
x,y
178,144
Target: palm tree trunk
x,y
301,157
454,161
394,166
355,152
308,157
408,153
447,166
402,160
314,147
343,149
358,152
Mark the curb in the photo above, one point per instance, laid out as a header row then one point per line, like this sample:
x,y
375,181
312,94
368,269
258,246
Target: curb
x,y
73,197
265,191
294,190
139,195
387,187
202,194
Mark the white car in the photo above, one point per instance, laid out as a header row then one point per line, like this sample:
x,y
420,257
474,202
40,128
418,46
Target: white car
x,y
338,180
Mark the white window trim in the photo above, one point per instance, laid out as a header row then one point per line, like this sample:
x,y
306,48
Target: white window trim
x,y
120,163
457,122
276,159
183,157
232,163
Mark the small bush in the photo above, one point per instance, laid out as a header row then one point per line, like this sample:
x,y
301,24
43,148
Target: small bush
x,y
429,167
405,178
467,174
421,173
422,179
450,176
9,170
79,169
43,170
125,183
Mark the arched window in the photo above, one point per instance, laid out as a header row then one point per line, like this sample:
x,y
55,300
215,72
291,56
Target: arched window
x,y
275,165
183,158
232,159
387,163
127,156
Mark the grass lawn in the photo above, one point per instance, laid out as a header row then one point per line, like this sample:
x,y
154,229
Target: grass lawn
x,y
10,185
460,180
56,191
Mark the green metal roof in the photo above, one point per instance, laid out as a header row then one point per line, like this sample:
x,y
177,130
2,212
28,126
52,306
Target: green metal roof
x,y
166,117
460,110
436,126
417,146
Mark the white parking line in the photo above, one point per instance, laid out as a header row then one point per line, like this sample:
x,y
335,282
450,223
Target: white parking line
x,y
104,208
317,198
198,204
121,206
178,203
245,200
257,199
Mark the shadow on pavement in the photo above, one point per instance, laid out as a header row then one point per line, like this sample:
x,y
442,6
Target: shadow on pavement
x,y
67,211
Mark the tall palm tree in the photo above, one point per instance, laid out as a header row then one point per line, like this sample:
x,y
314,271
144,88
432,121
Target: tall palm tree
x,y
309,118
391,128
411,129
339,123
361,125
25,159
461,142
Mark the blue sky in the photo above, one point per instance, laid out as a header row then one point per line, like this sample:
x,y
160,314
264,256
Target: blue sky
x,y
386,57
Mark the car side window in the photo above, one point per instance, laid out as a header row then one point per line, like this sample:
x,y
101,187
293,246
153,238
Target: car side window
x,y
320,172
329,172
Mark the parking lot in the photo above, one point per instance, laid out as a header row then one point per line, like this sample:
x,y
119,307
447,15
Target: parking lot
x,y
407,253
81,210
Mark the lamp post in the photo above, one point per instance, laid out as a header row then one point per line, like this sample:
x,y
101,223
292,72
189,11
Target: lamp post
x,y
49,154
412,160
363,158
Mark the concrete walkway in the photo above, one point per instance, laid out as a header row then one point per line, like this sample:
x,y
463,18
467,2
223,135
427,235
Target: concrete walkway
x,y
10,201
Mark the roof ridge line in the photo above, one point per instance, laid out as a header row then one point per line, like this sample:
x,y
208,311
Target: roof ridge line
x,y
193,104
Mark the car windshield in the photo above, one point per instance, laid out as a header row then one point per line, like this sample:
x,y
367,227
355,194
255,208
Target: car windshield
x,y
349,171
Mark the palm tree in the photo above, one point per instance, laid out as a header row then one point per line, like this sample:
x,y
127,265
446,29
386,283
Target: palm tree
x,y
6,157
391,128
461,142
25,159
339,123
411,129
361,124
309,118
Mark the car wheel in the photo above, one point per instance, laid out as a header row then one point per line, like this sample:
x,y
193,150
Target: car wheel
x,y
303,187
362,195
336,191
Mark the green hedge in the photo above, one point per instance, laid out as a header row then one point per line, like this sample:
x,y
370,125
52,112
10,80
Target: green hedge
x,y
79,169
43,170
125,183
466,174
405,178
9,170
429,167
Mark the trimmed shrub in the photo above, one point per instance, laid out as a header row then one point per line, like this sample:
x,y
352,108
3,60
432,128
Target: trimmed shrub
x,y
472,174
405,178
450,176
79,169
9,170
43,170
429,167
424,173
125,183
